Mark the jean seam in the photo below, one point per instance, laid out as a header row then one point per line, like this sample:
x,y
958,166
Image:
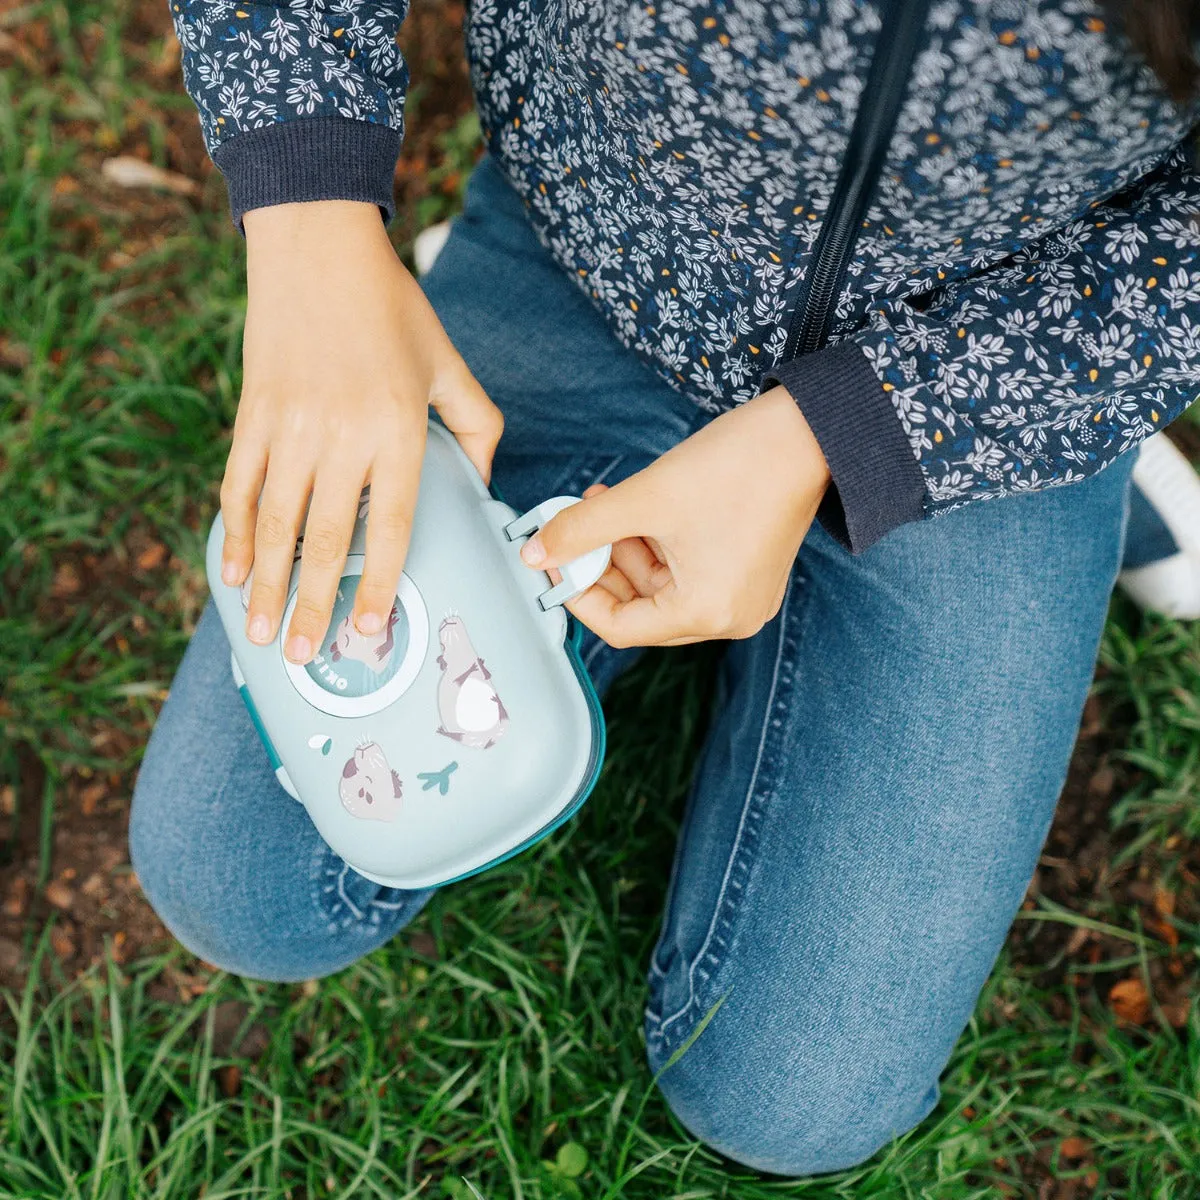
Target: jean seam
x,y
762,783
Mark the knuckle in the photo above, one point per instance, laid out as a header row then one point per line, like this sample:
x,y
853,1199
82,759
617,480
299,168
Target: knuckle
x,y
324,545
309,617
236,498
235,542
266,594
396,407
373,593
296,425
273,530
389,526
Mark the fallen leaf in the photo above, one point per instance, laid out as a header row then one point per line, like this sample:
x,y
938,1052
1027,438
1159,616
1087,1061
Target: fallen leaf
x,y
66,581
10,954
8,800
1076,942
230,1080
18,894
62,942
128,172
91,796
1164,901
1074,1147
10,45
14,354
152,557
1129,1001
167,63
1165,930
59,894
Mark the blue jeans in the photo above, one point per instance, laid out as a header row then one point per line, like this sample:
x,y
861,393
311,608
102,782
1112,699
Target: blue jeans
x,y
878,780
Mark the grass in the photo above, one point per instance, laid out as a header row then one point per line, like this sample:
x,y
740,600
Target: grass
x,y
498,1045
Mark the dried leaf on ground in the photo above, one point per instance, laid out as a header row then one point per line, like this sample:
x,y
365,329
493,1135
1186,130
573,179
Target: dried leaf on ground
x,y
128,172
152,557
59,894
1130,1002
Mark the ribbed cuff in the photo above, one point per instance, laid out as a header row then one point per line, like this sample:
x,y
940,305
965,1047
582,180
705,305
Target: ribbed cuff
x,y
310,158
877,484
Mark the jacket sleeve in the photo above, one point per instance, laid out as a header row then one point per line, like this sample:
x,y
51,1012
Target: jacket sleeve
x,y
1035,372
298,101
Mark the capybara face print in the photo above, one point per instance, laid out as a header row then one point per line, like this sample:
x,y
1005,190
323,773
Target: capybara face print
x,y
468,705
369,787
374,651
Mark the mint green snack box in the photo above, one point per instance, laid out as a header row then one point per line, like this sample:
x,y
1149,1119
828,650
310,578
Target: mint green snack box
x,y
462,733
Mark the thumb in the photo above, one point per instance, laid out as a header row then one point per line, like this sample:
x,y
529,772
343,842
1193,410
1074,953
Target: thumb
x,y
602,517
471,416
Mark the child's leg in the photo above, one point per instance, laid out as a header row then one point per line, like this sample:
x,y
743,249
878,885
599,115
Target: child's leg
x,y
882,771
233,864
229,860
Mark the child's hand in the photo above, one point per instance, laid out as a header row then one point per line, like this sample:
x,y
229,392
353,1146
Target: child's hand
x,y
704,538
342,357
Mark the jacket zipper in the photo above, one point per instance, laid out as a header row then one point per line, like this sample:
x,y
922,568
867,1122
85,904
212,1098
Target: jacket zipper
x,y
899,36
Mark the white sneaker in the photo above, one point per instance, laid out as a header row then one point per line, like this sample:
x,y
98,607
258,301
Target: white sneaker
x,y
428,245
1169,482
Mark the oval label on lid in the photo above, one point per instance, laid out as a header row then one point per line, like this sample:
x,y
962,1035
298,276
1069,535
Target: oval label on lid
x,y
349,663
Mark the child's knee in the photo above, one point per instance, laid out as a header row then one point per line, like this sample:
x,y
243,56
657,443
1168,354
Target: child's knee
x,y
788,1103
279,908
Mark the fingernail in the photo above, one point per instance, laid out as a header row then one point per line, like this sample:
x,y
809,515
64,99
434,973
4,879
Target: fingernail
x,y
368,622
299,648
229,573
260,630
533,552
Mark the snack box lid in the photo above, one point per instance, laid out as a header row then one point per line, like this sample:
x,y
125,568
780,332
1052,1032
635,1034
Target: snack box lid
x,y
460,735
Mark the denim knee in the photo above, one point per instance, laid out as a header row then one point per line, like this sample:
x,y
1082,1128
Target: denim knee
x,y
278,913
813,1105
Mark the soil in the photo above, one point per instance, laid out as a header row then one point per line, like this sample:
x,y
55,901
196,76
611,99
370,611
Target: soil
x,y
1085,867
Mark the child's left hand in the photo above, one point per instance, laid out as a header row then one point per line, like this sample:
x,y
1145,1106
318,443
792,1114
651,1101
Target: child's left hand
x,y
704,538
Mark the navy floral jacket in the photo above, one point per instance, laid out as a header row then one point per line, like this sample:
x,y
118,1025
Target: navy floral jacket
x,y
959,231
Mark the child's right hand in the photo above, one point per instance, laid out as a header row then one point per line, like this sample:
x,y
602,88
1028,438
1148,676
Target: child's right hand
x,y
342,356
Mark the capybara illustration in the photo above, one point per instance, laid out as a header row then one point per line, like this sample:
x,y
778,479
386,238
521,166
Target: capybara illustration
x,y
374,650
369,787
469,708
